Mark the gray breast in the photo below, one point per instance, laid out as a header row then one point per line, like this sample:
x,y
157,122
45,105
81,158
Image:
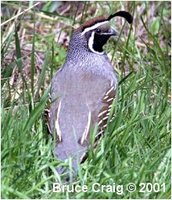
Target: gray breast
x,y
77,100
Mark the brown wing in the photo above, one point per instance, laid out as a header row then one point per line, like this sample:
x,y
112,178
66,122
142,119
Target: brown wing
x,y
102,117
105,111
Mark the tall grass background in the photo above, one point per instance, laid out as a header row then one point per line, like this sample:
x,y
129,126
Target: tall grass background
x,y
136,145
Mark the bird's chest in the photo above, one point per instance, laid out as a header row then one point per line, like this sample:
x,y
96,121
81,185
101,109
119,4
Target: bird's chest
x,y
85,88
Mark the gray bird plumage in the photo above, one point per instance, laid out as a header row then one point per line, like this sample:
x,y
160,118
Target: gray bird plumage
x,y
81,93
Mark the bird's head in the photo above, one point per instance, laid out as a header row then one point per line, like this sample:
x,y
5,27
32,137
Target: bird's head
x,y
94,33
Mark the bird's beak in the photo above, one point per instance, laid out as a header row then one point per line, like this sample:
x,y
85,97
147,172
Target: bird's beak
x,y
113,32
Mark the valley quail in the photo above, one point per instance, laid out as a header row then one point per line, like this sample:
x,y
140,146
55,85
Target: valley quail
x,y
83,89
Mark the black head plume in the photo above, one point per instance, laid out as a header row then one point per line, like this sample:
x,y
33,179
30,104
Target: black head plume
x,y
123,14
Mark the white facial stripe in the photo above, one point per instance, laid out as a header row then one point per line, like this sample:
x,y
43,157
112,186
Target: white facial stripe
x,y
94,27
90,44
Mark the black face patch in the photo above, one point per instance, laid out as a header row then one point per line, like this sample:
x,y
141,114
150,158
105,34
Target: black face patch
x,y
99,41
98,37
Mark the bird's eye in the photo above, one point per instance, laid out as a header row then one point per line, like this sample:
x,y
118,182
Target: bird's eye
x,y
98,30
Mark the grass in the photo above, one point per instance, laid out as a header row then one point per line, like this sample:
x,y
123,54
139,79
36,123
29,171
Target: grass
x,y
136,145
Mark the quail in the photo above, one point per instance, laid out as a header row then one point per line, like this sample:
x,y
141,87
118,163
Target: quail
x,y
83,90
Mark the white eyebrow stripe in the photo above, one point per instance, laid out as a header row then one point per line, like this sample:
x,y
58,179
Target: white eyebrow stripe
x,y
105,33
86,131
93,27
57,126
